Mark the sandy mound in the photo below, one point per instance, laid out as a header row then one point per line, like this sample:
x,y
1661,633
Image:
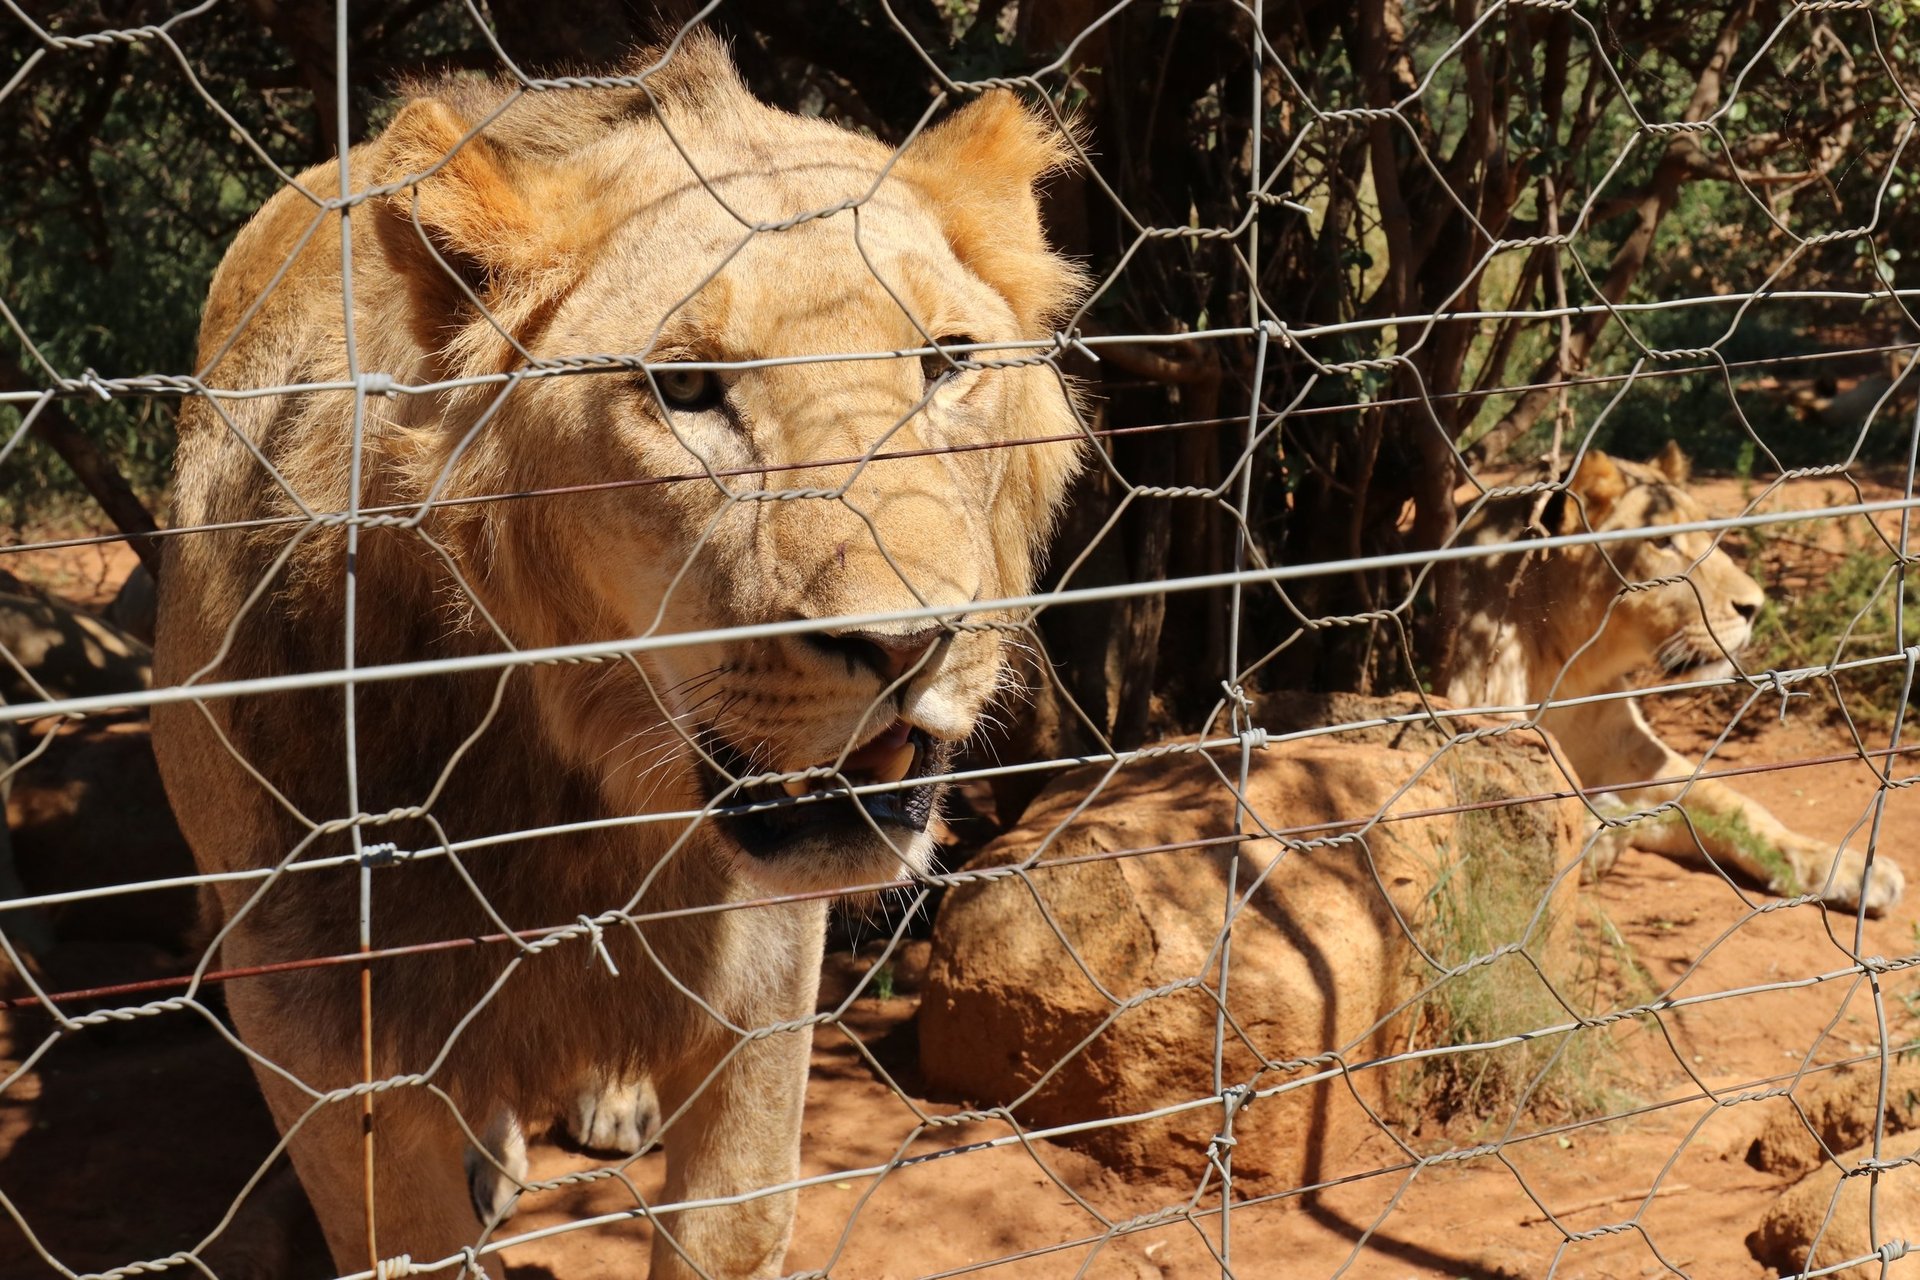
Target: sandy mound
x,y
1809,1219
1836,1113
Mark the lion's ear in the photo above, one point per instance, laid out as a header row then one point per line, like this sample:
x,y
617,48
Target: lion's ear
x,y
981,166
1598,484
472,201
1674,464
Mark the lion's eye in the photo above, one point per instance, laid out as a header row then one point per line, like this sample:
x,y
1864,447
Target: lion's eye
x,y
689,389
936,366
1668,544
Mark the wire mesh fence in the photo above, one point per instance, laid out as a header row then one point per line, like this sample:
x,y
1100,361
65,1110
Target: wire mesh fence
x,y
920,640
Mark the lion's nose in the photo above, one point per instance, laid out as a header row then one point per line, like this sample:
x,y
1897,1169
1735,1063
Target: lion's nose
x,y
888,654
1748,609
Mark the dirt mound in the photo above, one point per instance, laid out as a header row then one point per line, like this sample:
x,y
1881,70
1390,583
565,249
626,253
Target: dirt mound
x,y
1075,989
1837,1113
1825,1215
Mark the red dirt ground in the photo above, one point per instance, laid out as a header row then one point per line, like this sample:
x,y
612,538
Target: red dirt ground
x,y
127,1142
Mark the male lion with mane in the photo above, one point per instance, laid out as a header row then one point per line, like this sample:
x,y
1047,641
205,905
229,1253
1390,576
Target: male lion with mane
x,y
497,234
1561,624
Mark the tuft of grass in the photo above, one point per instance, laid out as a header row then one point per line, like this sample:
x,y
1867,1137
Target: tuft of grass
x,y
1846,613
1499,871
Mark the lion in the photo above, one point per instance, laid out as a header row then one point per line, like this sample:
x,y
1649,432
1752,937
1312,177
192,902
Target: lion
x,y
1562,624
500,240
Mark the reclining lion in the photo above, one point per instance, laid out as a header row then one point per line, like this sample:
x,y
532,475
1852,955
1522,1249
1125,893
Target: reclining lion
x,y
1560,624
501,233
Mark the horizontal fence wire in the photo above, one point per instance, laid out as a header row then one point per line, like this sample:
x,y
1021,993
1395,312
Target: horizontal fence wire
x,y
1360,335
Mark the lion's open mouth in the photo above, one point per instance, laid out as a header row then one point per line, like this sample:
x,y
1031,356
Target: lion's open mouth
x,y
764,816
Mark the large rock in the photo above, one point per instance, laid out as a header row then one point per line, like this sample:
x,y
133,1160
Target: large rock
x,y
1079,988
1809,1212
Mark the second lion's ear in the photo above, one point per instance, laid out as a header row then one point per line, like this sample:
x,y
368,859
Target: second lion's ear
x,y
1598,484
1673,463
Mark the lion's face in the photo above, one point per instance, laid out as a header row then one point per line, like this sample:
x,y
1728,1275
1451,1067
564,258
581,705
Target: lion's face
x,y
776,537
767,504
1702,614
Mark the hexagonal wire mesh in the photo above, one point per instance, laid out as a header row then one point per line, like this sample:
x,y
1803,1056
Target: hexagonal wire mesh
x,y
524,754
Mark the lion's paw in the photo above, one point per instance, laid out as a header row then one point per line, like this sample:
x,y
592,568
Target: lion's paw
x,y
1883,889
617,1116
495,1184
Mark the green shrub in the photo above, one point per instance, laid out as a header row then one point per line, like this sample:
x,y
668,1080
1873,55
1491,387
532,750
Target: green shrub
x,y
1844,614
1502,864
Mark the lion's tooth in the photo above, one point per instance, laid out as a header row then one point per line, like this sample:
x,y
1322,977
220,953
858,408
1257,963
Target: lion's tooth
x,y
896,766
795,787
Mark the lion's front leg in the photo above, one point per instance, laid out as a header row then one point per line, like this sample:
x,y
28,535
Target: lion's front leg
x,y
1736,830
419,1177
739,1133
1610,744
733,1115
